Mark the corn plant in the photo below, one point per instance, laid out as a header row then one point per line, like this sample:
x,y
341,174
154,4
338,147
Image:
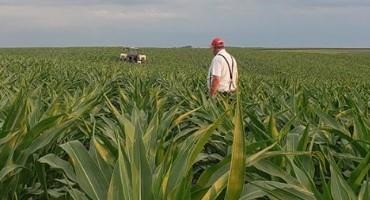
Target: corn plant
x,y
75,123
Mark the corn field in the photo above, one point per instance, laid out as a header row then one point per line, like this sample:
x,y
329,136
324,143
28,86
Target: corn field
x,y
75,123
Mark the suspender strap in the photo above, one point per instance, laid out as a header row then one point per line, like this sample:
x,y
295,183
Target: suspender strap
x,y
231,69
228,64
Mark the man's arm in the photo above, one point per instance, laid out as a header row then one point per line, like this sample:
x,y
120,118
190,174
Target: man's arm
x,y
215,72
215,83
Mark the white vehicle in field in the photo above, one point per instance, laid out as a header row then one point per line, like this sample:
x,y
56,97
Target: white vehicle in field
x,y
133,55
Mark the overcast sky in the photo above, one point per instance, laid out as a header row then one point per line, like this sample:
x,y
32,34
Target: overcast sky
x,y
170,23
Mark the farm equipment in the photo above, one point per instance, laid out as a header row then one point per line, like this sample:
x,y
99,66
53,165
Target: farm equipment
x,y
133,56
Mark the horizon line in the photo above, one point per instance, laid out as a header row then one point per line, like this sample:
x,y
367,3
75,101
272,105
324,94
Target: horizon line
x,y
181,46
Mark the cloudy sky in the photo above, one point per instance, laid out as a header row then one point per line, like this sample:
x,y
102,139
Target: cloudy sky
x,y
169,23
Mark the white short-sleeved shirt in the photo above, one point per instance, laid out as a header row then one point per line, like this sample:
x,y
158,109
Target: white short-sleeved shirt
x,y
220,68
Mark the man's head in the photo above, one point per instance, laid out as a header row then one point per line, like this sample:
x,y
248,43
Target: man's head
x,y
217,44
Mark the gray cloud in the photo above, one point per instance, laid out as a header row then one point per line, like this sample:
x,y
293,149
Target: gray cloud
x,y
328,23
336,3
318,3
82,2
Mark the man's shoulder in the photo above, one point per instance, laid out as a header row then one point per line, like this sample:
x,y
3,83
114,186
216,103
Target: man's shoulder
x,y
217,58
223,52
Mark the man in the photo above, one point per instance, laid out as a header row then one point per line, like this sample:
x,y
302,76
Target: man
x,y
223,72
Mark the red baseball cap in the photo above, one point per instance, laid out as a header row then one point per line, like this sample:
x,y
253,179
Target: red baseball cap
x,y
217,42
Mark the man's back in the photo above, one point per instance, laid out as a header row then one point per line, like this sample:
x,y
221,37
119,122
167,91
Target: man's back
x,y
225,67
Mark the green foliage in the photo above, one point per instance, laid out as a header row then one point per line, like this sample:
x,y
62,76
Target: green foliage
x,y
75,123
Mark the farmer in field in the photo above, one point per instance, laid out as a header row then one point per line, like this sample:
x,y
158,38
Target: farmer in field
x,y
223,72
